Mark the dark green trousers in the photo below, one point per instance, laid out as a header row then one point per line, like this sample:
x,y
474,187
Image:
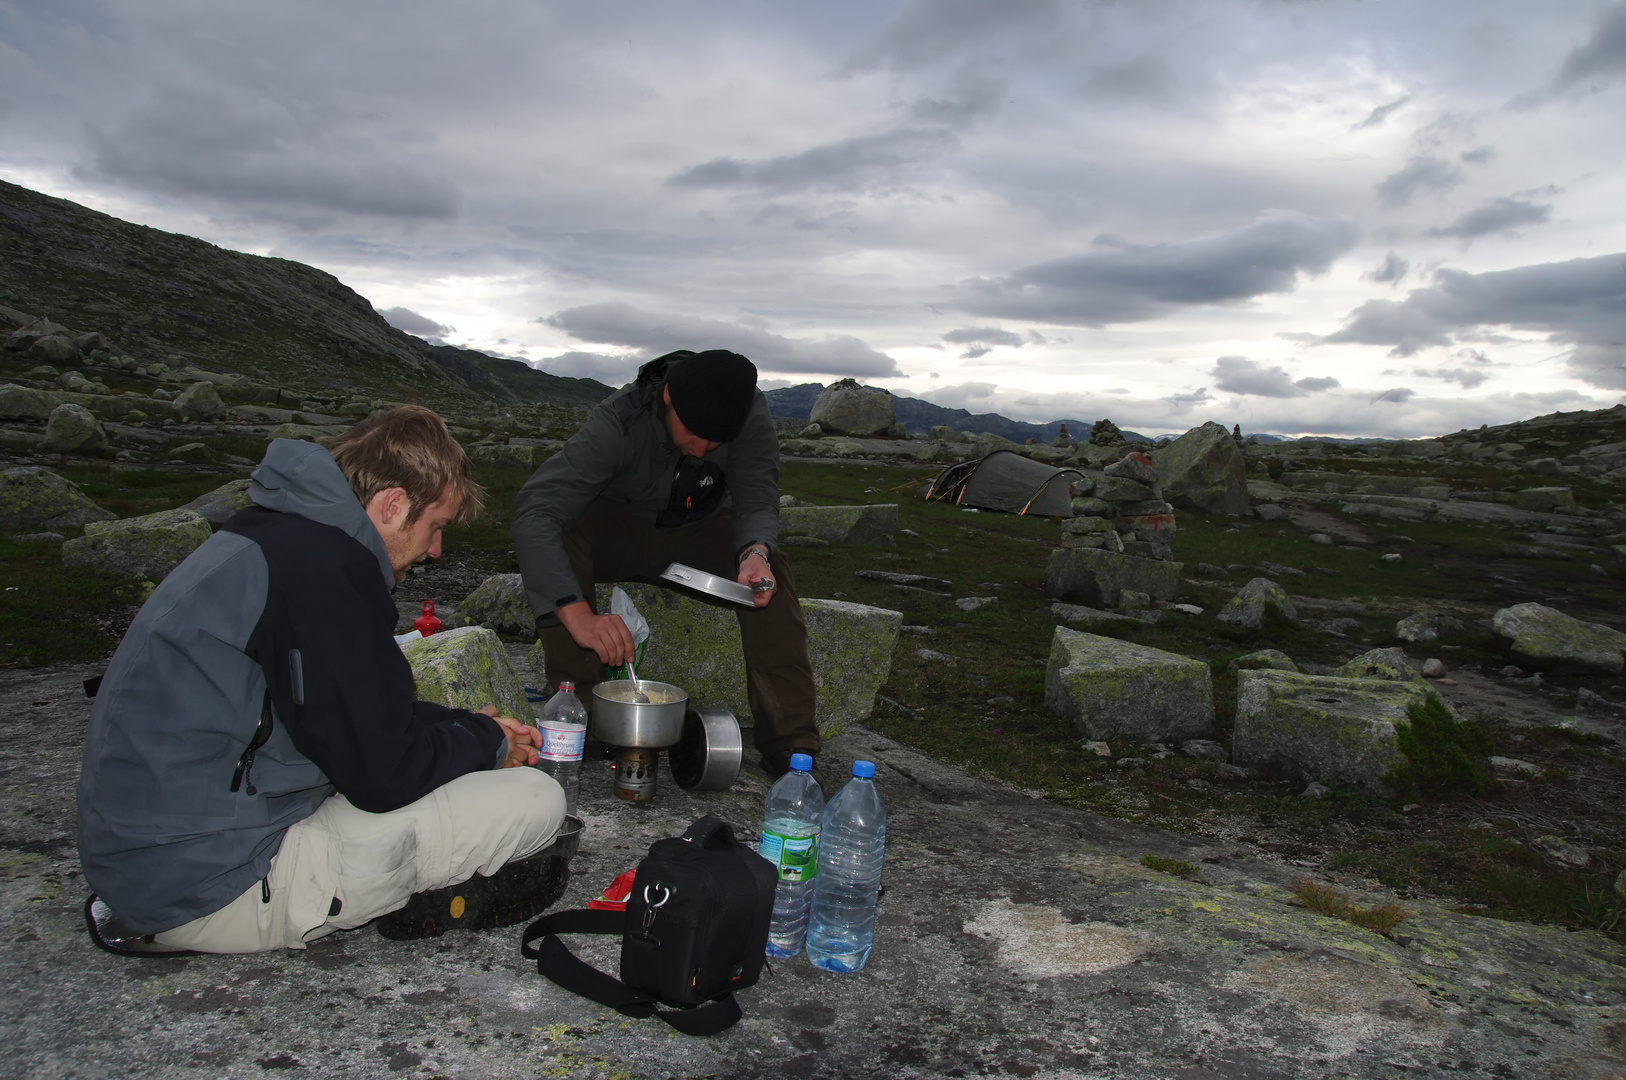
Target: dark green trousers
x,y
608,544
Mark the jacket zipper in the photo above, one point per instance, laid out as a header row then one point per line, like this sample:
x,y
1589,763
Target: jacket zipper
x,y
245,764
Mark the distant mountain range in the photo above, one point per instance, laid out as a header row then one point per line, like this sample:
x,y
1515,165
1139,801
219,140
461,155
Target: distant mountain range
x,y
796,403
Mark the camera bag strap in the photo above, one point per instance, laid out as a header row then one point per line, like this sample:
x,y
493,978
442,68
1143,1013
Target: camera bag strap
x,y
558,964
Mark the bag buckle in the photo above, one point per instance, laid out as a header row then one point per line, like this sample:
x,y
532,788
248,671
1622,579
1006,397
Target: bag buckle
x,y
653,906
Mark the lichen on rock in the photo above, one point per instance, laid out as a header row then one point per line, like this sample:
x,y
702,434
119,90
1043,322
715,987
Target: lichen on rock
x,y
841,524
221,503
73,429
1113,689
1545,638
36,498
1254,602
696,645
1340,731
141,547
467,668
1098,577
497,602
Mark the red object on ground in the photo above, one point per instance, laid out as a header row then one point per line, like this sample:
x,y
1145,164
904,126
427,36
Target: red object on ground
x,y
426,623
615,896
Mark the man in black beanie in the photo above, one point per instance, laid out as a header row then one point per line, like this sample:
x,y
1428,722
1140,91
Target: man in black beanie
x,y
680,466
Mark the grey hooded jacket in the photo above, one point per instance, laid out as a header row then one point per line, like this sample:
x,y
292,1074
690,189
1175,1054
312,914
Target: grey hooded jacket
x,y
258,677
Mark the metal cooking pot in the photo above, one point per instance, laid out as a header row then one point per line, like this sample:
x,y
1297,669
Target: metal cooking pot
x,y
620,721
708,757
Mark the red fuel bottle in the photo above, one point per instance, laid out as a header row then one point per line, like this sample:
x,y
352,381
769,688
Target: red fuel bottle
x,y
426,623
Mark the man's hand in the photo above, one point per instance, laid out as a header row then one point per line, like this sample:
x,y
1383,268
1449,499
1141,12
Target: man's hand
x,y
522,739
606,635
753,570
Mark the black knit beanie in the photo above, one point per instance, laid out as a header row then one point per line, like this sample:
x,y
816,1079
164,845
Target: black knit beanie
x,y
712,393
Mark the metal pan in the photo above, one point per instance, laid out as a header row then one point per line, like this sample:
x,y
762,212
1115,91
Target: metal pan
x,y
710,584
707,758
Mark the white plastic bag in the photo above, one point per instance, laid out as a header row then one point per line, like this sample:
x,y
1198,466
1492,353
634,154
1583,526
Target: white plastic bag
x,y
637,625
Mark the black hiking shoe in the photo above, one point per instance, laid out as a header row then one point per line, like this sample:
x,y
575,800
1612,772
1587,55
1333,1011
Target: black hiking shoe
x,y
513,894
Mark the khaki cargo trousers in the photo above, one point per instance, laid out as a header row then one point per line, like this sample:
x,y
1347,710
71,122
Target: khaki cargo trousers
x,y
609,543
373,863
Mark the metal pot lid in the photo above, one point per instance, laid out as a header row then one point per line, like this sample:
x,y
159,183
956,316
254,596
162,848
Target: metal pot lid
x,y
708,756
710,584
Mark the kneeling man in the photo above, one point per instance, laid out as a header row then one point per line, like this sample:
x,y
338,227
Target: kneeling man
x,y
257,773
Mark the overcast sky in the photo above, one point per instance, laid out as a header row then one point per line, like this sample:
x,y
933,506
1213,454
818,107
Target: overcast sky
x,y
1339,217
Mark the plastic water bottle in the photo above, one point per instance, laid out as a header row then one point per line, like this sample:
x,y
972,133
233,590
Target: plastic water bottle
x,y
852,844
790,840
564,732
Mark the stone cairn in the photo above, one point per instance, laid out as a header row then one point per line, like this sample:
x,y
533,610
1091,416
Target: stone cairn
x,y
1122,510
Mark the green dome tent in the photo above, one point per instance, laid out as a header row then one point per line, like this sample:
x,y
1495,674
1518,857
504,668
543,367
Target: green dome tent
x,y
1007,481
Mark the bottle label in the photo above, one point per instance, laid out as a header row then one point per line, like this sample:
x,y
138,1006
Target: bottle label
x,y
561,742
795,857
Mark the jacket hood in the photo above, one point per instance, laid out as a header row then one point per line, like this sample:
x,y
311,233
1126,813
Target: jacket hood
x,y
297,477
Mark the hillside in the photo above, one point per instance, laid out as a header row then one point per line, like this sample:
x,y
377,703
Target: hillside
x,y
163,296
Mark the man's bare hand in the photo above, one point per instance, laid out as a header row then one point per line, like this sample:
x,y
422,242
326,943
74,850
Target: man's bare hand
x,y
754,570
606,635
522,739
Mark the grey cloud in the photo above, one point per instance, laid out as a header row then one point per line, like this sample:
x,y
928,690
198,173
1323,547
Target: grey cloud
x,y
1496,216
410,321
1143,78
1393,269
1479,155
1420,174
1134,283
844,164
1466,378
618,323
1398,396
982,340
1381,113
265,153
1601,59
608,369
1238,375
1581,302
931,30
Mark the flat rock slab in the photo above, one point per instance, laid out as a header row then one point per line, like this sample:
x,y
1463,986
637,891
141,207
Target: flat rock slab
x,y
467,668
918,581
1016,937
1339,731
696,645
146,547
1098,578
1113,689
841,524
1546,638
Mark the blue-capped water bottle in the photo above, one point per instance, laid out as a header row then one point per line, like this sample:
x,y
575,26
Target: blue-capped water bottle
x,y
852,844
790,840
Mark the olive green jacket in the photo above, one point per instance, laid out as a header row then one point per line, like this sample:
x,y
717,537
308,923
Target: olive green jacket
x,y
623,453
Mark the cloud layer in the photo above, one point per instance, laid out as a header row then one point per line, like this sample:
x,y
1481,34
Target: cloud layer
x,y
1060,207
1137,282
651,334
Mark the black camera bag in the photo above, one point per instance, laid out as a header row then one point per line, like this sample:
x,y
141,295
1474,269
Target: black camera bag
x,y
694,931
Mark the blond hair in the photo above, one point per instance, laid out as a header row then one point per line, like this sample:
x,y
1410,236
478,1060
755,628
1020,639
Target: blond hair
x,y
408,448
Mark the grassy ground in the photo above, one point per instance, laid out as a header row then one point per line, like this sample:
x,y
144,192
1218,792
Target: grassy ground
x,y
983,707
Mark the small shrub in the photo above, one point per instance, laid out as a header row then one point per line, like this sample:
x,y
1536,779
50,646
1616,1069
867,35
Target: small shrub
x,y
1177,867
1603,910
1326,900
1444,755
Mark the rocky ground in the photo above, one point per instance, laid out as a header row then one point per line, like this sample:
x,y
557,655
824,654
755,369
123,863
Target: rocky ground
x,y
1016,937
